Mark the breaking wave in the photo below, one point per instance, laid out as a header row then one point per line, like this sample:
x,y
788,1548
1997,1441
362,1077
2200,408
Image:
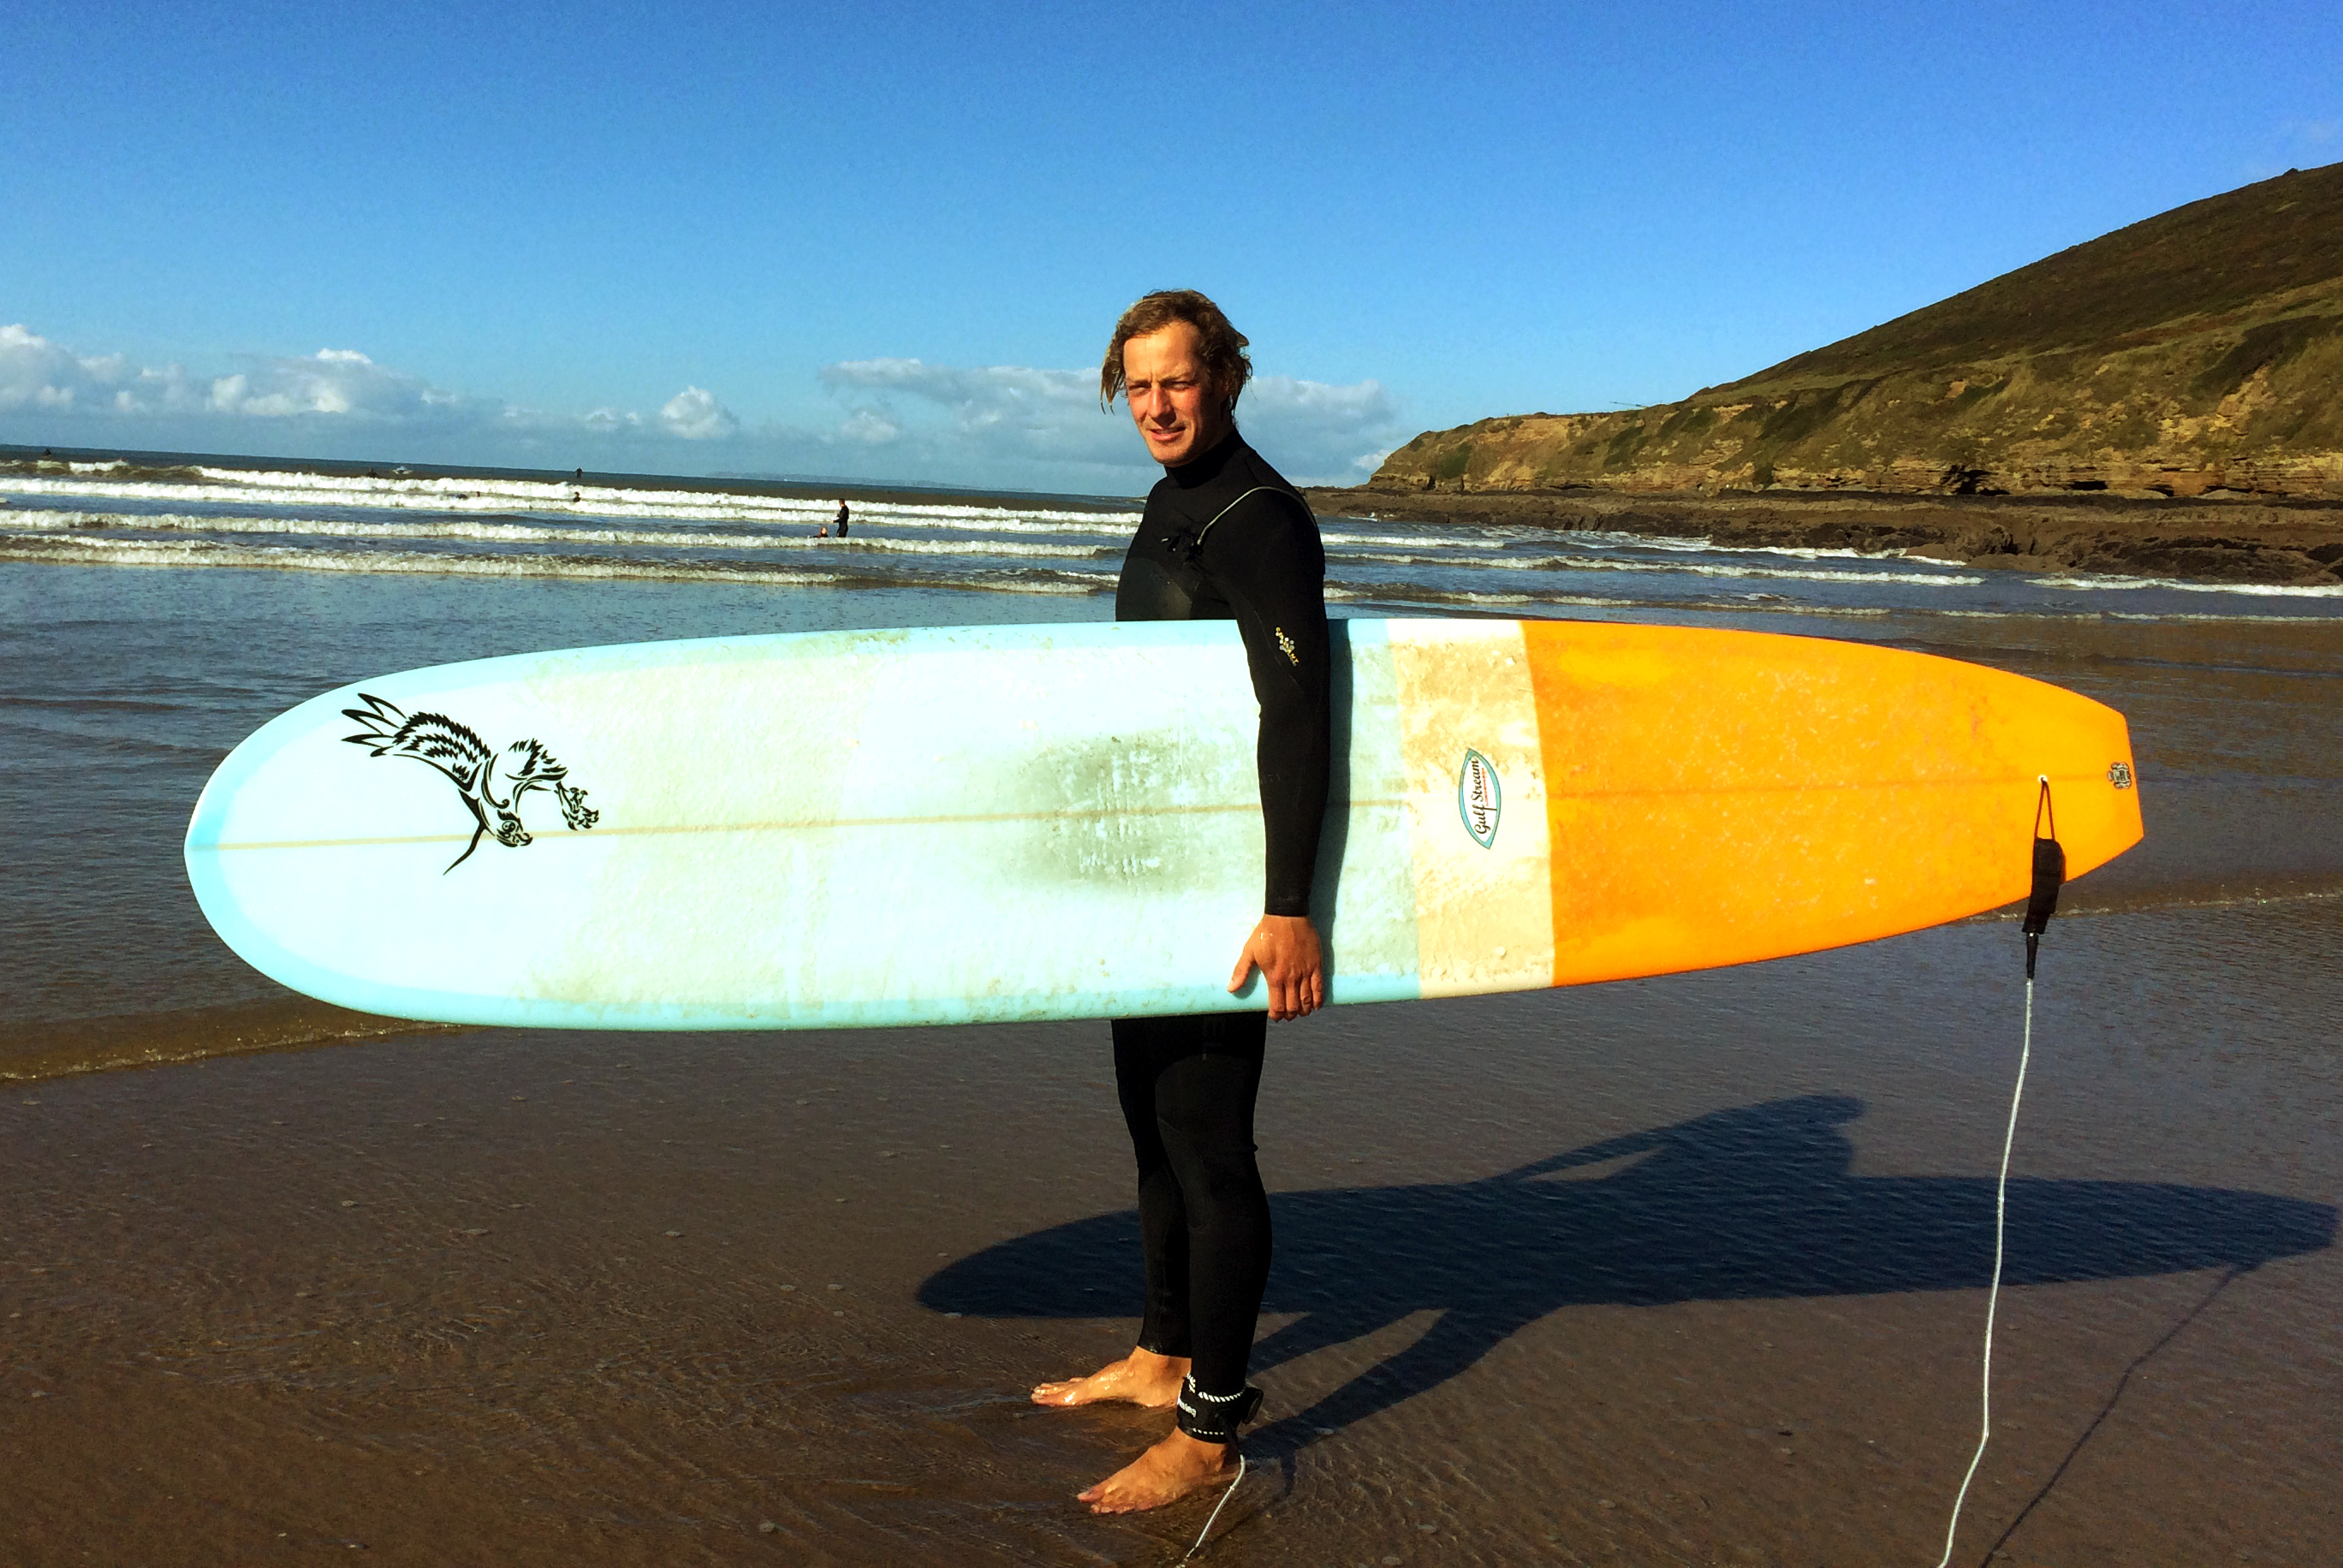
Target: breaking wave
x,y
535,533
2174,585
1577,563
287,490
86,549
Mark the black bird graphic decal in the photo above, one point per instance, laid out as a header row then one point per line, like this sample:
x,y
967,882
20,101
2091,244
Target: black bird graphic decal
x,y
466,758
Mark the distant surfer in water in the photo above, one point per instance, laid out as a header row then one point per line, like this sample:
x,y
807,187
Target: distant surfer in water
x,y
1223,538
841,520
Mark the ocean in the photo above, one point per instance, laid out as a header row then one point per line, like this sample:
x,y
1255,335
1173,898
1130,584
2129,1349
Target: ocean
x,y
1684,1269
515,525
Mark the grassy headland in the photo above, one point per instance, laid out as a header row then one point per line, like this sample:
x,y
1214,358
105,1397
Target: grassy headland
x,y
2191,363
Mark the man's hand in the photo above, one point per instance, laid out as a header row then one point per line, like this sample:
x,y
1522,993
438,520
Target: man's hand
x,y
1293,963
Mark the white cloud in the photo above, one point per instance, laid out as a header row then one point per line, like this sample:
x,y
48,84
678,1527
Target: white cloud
x,y
1316,431
339,383
1048,406
335,401
996,416
37,373
695,415
870,427
896,418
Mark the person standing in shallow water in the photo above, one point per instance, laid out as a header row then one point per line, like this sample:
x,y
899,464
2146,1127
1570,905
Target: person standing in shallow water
x,y
1223,538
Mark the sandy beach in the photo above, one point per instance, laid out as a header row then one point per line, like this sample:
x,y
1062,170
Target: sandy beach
x,y
1682,1271
1678,1271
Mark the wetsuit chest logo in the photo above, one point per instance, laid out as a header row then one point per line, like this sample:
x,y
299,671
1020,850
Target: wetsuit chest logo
x,y
1478,798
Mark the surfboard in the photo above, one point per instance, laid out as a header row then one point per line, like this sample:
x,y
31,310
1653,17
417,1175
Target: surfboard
x,y
992,823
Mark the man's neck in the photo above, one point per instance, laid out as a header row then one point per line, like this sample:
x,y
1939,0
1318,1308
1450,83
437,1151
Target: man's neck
x,y
1204,468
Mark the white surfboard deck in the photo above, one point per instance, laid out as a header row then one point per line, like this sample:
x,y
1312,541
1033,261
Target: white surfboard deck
x,y
992,823
828,829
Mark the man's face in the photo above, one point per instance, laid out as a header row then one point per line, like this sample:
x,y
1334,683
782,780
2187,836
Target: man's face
x,y
1171,401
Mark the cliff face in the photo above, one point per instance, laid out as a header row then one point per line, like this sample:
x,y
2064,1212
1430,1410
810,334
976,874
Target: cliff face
x,y
2200,352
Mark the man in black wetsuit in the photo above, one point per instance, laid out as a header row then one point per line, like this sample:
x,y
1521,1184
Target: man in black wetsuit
x,y
1224,537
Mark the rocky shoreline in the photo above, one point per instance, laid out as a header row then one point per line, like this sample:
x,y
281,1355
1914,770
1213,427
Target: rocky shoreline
x,y
2289,543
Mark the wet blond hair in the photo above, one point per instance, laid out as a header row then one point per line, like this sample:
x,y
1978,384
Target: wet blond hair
x,y
1222,346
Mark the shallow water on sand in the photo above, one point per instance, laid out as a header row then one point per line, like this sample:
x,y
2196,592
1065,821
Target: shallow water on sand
x,y
126,687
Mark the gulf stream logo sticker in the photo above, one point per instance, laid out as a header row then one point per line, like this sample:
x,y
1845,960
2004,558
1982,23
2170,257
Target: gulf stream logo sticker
x,y
1478,798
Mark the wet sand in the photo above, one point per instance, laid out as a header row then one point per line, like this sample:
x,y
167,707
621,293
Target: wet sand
x,y
1676,1271
1688,1269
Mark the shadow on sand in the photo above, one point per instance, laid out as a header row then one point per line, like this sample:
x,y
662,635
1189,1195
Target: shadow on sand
x,y
1737,1205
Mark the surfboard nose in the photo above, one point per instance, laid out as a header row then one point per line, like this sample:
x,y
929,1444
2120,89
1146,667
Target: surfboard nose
x,y
1718,797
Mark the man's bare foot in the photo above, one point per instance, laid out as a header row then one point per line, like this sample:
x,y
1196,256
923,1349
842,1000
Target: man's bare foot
x,y
1166,1472
1142,1377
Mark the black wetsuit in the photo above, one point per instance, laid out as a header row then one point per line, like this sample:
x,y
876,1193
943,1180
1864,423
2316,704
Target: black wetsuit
x,y
1224,537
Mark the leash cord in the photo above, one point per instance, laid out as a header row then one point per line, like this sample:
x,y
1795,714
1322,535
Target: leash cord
x,y
1992,1295
1231,1492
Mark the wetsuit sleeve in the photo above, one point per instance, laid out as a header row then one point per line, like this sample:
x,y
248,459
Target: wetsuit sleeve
x,y
1267,560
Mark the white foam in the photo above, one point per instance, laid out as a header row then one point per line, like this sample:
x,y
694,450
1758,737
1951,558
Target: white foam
x,y
1411,541
1811,552
536,533
1692,568
551,491
2234,617
99,549
1605,538
303,491
2127,584
1798,552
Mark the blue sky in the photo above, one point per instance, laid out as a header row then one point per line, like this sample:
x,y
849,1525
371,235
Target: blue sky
x,y
887,242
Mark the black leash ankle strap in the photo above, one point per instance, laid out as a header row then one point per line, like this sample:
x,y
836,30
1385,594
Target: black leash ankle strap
x,y
1215,1417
